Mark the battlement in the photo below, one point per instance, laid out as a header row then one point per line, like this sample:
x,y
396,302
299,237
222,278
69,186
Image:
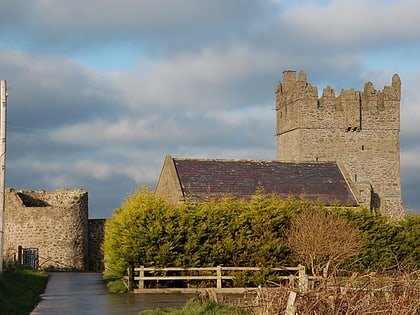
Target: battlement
x,y
299,106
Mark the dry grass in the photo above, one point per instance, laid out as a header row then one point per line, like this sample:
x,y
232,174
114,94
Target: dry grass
x,y
366,294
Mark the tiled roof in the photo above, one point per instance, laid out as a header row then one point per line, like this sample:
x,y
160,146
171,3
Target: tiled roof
x,y
242,178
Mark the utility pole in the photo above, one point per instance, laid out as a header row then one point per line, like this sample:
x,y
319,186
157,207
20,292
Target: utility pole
x,y
3,111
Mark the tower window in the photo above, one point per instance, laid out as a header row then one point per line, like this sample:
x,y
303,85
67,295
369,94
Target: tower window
x,y
355,177
363,147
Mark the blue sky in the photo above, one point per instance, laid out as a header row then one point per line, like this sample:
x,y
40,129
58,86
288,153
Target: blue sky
x,y
101,91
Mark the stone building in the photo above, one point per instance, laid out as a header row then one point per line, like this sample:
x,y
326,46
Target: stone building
x,y
356,131
360,130
56,226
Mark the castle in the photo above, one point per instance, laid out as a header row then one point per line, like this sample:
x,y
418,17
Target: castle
x,y
356,133
360,130
338,149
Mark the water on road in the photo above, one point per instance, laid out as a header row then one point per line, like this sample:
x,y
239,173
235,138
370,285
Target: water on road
x,y
85,294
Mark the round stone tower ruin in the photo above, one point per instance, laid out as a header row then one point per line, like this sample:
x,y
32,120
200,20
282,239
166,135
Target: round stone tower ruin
x,y
55,224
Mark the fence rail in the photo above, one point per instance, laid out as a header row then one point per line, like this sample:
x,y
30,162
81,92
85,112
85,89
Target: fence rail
x,y
138,276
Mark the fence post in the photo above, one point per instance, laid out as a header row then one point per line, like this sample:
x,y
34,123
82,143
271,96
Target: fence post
x,y
290,307
19,257
130,271
303,279
141,278
219,277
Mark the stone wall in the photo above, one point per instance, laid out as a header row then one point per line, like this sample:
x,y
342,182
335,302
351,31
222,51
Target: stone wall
x,y
168,185
56,223
96,237
357,129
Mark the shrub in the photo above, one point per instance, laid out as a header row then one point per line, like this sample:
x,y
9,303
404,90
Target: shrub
x,y
148,231
142,231
322,239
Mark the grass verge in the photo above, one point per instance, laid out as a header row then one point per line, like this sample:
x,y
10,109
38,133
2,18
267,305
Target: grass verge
x,y
194,307
115,284
20,288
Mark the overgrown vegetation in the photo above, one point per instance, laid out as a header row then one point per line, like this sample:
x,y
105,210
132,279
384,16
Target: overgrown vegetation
x,y
20,288
390,245
323,240
368,294
197,307
148,231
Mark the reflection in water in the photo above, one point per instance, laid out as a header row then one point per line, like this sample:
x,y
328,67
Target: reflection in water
x,y
85,294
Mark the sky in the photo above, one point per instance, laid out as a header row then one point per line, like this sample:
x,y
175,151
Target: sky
x,y
99,91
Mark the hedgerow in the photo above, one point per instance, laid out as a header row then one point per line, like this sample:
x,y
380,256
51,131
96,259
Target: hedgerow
x,y
148,231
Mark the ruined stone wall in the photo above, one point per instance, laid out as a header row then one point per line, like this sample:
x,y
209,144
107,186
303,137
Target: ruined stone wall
x,y
358,129
54,222
96,237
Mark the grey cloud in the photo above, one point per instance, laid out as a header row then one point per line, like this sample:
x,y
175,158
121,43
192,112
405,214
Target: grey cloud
x,y
205,87
210,79
41,87
157,25
410,168
357,22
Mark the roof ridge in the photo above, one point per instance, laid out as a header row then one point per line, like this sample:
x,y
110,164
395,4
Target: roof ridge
x,y
249,160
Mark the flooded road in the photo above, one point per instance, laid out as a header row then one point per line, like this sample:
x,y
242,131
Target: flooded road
x,y
85,294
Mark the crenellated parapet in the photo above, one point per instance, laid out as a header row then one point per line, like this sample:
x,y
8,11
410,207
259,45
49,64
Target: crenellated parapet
x,y
298,106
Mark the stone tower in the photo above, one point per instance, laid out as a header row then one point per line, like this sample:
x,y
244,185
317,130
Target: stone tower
x,y
357,129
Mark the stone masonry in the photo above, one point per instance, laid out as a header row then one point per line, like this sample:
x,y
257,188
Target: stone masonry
x,y
357,129
96,237
56,223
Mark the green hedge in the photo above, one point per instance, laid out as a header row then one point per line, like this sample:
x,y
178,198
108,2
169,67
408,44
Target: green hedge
x,y
391,244
148,231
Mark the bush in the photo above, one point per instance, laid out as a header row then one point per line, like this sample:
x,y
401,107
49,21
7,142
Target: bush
x,y
360,294
323,240
148,231
139,233
390,244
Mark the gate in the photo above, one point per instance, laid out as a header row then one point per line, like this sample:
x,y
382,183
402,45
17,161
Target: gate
x,y
28,257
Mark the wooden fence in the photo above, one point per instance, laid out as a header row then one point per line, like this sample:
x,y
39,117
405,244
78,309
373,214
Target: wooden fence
x,y
215,276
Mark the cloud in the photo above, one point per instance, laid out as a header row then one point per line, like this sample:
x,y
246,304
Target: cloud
x,y
187,78
352,23
208,79
410,168
75,25
43,86
410,111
